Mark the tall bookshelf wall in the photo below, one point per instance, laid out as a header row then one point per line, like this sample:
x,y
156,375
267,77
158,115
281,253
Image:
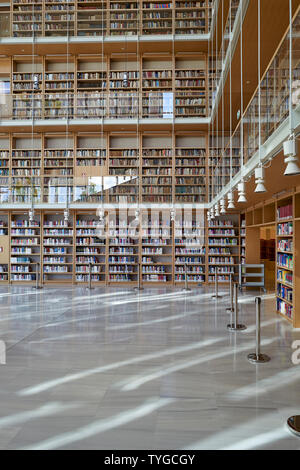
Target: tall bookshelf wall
x,y
87,167
116,251
83,86
88,18
284,215
223,248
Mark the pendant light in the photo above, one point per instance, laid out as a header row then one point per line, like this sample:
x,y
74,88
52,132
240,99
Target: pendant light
x,y
217,211
290,146
36,82
259,172
242,192
260,179
231,204
125,74
223,208
173,214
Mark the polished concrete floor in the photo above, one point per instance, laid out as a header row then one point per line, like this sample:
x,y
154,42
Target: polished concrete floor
x,y
110,369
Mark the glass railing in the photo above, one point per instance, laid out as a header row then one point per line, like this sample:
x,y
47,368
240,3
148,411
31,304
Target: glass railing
x,y
69,189
217,60
274,103
136,17
4,24
91,105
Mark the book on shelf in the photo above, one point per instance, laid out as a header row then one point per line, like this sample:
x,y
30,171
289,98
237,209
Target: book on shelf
x,y
285,212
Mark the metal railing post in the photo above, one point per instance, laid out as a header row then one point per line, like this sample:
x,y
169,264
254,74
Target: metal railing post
x,y
38,285
139,286
231,308
235,325
186,284
257,357
216,294
90,277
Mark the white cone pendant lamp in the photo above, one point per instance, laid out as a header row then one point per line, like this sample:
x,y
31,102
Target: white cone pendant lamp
x,y
260,180
242,192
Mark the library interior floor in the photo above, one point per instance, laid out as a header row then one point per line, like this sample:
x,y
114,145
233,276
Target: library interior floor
x,y
149,157
112,369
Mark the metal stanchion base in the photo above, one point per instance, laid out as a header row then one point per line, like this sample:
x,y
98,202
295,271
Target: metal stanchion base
x,y
90,288
216,296
229,309
294,425
137,289
186,290
234,327
258,359
37,287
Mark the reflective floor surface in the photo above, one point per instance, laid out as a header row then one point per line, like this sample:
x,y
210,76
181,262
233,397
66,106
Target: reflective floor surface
x,y
112,369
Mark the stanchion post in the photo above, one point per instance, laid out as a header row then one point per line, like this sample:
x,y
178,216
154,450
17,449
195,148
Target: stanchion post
x,y
38,285
257,357
235,325
186,285
216,294
139,286
90,277
231,308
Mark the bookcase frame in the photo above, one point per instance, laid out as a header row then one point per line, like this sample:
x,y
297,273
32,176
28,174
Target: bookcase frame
x,y
266,214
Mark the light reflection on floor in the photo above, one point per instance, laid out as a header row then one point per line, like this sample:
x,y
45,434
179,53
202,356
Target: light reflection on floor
x,y
113,369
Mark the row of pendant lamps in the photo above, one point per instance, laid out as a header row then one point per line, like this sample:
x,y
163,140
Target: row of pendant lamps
x,y
292,169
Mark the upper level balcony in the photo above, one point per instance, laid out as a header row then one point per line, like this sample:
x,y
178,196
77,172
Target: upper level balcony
x,y
104,18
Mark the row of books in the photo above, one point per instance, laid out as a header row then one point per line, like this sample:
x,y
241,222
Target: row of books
x,y
284,308
285,228
285,212
286,261
285,293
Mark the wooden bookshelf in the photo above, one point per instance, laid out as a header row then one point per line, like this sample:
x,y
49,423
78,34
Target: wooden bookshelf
x,y
90,249
157,164
285,257
27,18
91,17
26,163
59,18
190,248
115,85
123,249
149,166
190,168
157,84
25,243
157,248
191,17
284,214
223,248
124,166
190,86
58,245
51,18
5,248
